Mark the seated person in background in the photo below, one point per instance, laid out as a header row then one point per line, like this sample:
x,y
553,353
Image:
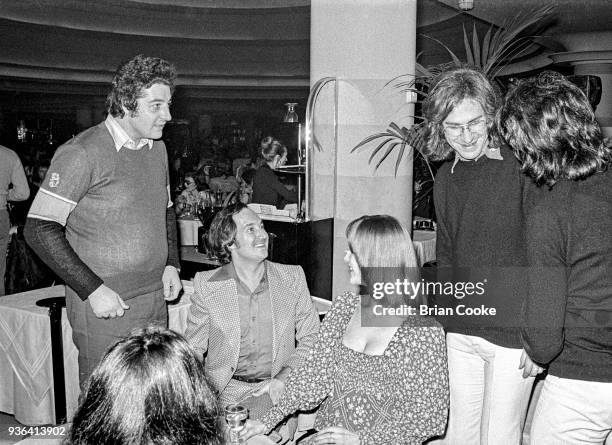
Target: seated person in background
x,y
203,175
380,381
148,389
187,201
245,177
253,319
176,175
267,189
224,184
550,125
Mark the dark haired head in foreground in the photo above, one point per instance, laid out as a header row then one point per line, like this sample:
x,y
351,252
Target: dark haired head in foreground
x,y
148,389
551,126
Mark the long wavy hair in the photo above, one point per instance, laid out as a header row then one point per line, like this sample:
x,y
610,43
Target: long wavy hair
x,y
383,250
550,124
448,90
148,389
134,76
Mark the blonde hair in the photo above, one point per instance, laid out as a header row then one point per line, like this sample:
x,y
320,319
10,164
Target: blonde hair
x,y
380,241
384,253
271,147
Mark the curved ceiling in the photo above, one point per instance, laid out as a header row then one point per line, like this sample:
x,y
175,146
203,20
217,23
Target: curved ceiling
x,y
217,45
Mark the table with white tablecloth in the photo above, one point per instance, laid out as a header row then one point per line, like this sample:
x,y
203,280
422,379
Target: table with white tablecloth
x,y
424,245
26,376
26,373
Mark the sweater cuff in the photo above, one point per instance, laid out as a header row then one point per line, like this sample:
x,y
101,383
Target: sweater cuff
x,y
48,240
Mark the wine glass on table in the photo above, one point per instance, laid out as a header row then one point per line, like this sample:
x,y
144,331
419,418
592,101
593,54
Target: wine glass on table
x,y
236,417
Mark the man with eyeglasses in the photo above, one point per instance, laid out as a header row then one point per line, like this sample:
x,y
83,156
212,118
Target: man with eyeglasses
x,y
103,218
480,197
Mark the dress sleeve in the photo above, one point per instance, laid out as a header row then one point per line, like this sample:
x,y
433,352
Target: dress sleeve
x,y
422,379
308,385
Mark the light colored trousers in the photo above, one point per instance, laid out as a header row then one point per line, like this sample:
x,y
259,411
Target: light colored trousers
x,y
488,394
572,412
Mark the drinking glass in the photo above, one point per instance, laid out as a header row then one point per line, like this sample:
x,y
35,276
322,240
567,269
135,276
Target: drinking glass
x,y
236,417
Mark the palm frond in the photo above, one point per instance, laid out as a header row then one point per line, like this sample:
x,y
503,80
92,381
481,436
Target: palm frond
x,y
512,29
476,47
499,45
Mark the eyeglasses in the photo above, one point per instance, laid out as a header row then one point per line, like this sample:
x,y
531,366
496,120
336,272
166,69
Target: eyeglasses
x,y
477,126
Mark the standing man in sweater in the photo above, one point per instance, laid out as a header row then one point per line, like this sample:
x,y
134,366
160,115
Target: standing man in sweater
x,y
549,123
102,219
13,187
480,197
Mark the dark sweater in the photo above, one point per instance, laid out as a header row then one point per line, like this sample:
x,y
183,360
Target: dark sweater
x,y
481,238
267,189
569,310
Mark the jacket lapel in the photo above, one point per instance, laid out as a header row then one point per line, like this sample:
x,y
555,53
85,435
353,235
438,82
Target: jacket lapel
x,y
276,300
228,316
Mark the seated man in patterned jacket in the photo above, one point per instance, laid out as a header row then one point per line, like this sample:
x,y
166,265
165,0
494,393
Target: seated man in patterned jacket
x,y
251,320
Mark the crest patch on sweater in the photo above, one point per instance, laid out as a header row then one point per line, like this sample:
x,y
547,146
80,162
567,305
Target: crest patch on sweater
x,y
54,180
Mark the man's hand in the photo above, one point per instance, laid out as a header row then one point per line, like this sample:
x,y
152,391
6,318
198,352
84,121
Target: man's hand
x,y
172,283
252,428
106,303
335,435
529,367
274,387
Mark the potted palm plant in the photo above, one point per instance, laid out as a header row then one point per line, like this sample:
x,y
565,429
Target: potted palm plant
x,y
499,46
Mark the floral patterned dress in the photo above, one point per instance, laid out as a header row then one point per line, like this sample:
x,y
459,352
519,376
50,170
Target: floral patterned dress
x,y
398,397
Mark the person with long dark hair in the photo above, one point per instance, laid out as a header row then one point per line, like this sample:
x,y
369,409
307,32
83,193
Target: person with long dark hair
x,y
550,125
148,389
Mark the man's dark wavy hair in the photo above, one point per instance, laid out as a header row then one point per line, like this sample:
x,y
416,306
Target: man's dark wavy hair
x,y
447,91
133,77
222,232
550,124
149,388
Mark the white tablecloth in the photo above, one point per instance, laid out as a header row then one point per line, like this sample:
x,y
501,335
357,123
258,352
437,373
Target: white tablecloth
x,y
26,376
424,245
188,231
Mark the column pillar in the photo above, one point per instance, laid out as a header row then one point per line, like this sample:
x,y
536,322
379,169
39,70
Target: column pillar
x,y
364,44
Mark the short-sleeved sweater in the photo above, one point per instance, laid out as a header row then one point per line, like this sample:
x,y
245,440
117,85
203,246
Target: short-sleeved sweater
x,y
118,224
